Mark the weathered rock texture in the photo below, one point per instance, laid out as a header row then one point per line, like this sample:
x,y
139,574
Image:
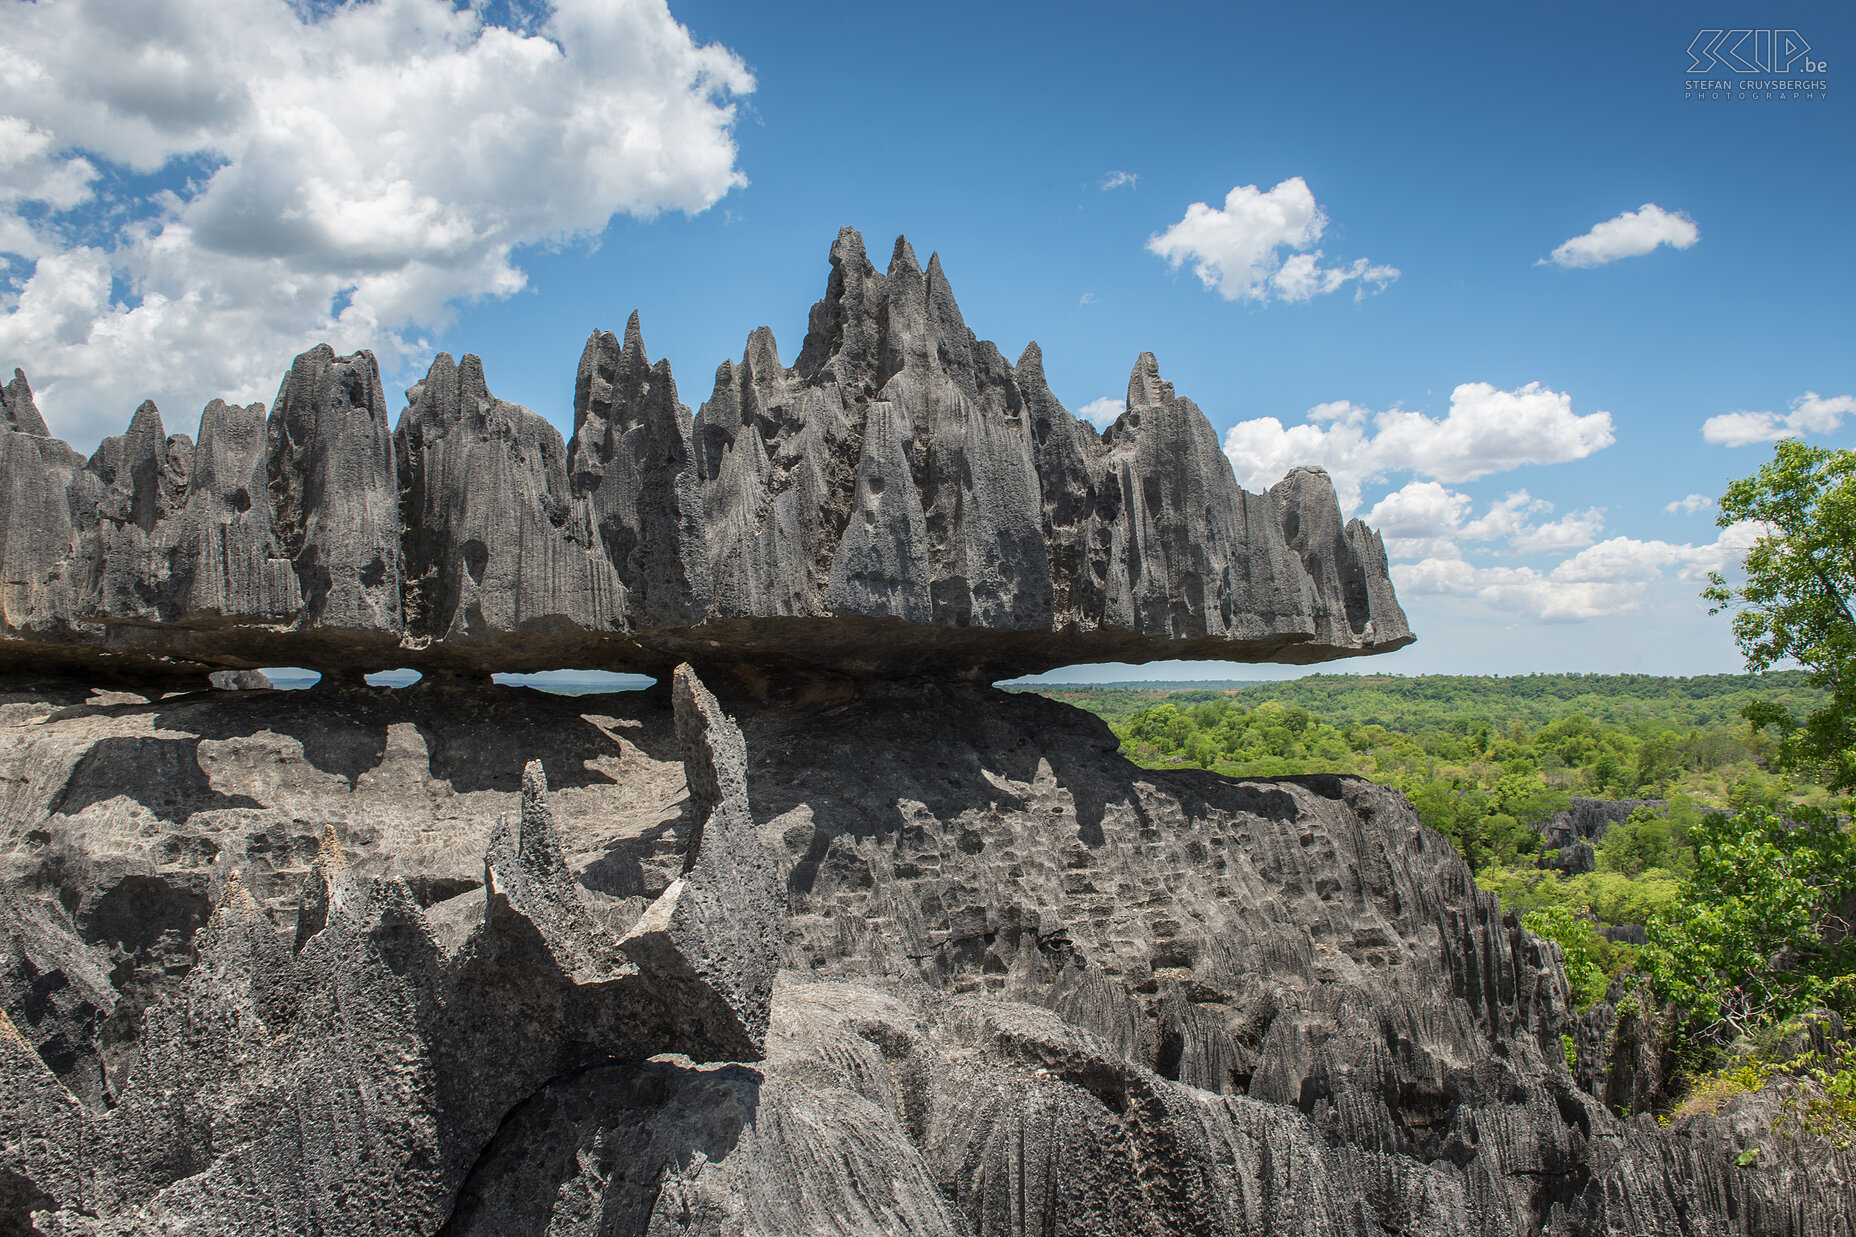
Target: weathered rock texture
x,y
900,500
1588,820
345,1076
346,961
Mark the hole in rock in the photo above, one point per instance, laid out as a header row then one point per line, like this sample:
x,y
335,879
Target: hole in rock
x,y
291,678
577,682
476,558
403,677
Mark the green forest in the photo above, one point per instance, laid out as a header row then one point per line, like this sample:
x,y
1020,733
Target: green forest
x,y
1708,902
1489,761
1486,761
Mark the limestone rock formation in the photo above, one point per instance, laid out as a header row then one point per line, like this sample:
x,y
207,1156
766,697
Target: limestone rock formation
x,y
859,945
347,1076
471,959
902,500
1588,820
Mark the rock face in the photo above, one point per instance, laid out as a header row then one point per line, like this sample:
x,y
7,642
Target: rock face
x,y
902,500
872,948
1588,820
346,1076
936,960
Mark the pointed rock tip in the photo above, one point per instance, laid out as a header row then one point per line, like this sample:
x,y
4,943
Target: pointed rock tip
x,y
235,899
903,256
537,841
1145,385
10,1032
685,680
21,411
634,338
329,852
392,902
762,353
471,381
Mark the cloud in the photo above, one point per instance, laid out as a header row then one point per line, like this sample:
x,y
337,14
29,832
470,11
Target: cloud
x,y
1117,180
1101,413
1611,577
1424,519
1629,235
1089,298
1238,252
1486,431
349,175
1811,414
1689,505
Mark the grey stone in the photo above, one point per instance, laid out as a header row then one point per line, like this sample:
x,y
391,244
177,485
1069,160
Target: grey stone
x,y
1588,820
334,492
901,501
240,681
1026,986
495,542
20,409
348,1082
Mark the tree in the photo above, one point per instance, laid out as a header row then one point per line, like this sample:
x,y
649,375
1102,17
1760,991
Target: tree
x,y
1796,600
1580,950
1756,935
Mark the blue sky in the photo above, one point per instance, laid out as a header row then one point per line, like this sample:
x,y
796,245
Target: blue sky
x,y
409,178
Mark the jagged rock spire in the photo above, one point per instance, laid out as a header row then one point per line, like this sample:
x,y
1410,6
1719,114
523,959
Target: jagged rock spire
x,y
901,501
21,411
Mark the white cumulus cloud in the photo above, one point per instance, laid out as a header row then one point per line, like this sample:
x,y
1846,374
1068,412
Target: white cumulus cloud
x,y
1611,577
1424,519
350,174
1629,235
1689,505
1486,431
1101,413
1810,413
1239,251
1119,180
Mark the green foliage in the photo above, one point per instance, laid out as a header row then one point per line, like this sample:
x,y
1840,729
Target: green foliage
x,y
1581,947
1795,602
1755,937
1824,1101
1649,841
1739,920
1466,705
1817,1092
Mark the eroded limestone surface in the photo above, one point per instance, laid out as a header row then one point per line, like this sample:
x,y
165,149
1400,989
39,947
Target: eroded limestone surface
x,y
483,960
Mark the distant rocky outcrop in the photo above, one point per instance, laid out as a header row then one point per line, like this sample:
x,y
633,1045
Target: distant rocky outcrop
x,y
1588,820
900,500
1569,841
